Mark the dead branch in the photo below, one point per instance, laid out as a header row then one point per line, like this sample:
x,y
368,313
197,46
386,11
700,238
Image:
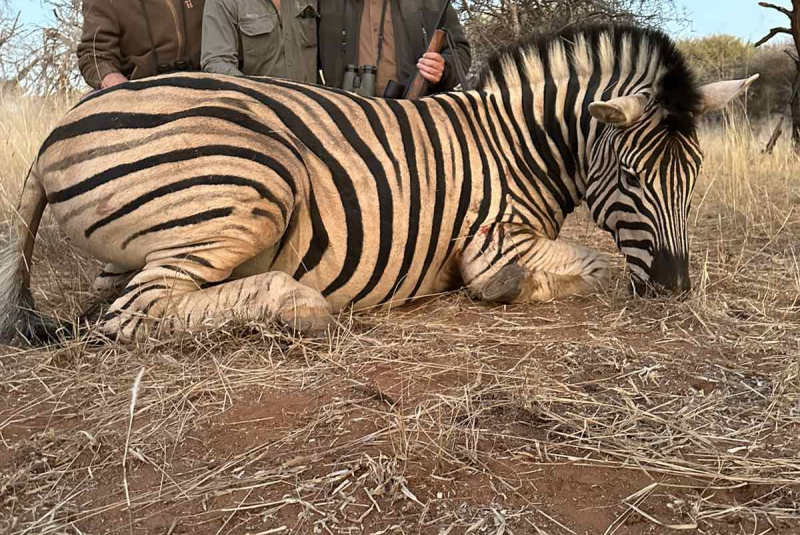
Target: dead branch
x,y
783,10
772,33
776,135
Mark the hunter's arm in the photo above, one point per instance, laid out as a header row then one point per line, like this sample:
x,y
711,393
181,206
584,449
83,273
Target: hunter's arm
x,y
462,54
220,42
98,51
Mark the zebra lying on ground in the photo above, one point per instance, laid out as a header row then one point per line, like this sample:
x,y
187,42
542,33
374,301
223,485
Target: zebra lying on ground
x,y
213,197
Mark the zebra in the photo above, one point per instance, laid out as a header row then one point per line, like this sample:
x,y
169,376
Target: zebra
x,y
212,197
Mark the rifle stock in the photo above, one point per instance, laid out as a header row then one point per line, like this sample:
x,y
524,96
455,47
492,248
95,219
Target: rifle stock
x,y
419,85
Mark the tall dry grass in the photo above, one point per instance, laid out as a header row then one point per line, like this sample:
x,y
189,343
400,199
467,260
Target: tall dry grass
x,y
761,192
65,275
747,211
24,124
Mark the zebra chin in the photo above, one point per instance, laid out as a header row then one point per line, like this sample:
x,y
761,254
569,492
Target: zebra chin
x,y
667,276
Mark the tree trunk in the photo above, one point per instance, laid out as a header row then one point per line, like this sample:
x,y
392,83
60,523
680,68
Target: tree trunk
x,y
794,30
776,135
795,18
796,111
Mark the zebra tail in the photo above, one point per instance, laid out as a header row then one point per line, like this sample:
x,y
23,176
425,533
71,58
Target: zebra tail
x,y
19,320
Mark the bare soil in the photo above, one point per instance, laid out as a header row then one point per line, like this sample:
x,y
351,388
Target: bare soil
x,y
597,415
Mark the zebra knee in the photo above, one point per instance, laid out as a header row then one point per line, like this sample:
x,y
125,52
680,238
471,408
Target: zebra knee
x,y
505,286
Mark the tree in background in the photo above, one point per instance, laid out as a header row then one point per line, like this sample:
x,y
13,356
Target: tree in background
x,y
717,57
42,59
9,29
794,31
493,24
725,57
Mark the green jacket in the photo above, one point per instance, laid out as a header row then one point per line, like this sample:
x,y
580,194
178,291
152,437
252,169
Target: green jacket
x,y
413,21
248,37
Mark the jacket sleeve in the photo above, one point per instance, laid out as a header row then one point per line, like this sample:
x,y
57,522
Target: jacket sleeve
x,y
98,51
219,43
462,54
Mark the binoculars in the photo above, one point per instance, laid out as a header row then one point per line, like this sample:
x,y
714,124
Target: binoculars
x,y
361,80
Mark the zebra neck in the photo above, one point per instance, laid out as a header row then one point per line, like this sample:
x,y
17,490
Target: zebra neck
x,y
544,143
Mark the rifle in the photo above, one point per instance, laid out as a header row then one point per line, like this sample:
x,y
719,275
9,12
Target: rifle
x,y
419,85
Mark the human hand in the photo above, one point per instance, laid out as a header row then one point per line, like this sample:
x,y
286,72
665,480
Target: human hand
x,y
431,67
112,79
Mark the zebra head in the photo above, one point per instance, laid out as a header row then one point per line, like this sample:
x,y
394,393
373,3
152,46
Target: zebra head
x,y
643,169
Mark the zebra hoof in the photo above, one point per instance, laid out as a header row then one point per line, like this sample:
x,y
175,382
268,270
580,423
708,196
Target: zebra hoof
x,y
506,285
310,327
312,323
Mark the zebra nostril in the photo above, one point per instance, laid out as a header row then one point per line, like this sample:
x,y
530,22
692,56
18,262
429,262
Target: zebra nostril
x,y
670,272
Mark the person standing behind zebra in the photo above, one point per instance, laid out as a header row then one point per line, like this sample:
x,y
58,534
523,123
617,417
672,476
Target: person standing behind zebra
x,y
275,38
392,35
132,39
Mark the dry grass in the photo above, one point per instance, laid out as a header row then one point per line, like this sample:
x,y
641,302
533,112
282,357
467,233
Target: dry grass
x,y
601,415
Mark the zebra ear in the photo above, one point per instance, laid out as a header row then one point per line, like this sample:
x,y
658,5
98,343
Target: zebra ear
x,y
620,111
717,95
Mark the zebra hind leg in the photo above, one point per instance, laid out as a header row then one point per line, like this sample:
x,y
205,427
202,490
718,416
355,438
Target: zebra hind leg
x,y
107,286
112,279
164,297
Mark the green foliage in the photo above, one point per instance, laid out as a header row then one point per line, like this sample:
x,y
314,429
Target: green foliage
x,y
718,57
724,57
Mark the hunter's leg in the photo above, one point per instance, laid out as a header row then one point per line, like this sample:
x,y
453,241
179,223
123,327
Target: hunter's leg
x,y
512,266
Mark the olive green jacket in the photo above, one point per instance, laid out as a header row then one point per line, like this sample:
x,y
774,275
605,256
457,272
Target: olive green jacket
x,y
249,37
414,23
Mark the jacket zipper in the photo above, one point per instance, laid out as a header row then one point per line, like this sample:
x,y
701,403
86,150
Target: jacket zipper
x,y
178,31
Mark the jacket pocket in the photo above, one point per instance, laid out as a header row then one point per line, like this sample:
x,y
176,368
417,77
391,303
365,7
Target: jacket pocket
x,y
258,36
142,67
307,16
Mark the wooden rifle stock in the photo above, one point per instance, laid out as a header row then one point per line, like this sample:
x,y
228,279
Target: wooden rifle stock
x,y
419,85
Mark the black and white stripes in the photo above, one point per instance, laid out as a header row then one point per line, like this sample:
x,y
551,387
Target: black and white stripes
x,y
193,180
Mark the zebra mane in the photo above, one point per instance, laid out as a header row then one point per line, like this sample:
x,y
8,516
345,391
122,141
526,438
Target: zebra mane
x,y
616,49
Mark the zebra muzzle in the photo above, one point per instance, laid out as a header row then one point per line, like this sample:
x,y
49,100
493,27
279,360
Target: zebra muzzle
x,y
669,276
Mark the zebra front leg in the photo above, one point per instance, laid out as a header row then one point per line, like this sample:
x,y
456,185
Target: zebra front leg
x,y
165,298
512,265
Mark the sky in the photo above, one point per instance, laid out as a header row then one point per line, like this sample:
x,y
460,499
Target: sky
x,y
743,18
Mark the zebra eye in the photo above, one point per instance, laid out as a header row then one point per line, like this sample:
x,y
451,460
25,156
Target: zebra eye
x,y
630,178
